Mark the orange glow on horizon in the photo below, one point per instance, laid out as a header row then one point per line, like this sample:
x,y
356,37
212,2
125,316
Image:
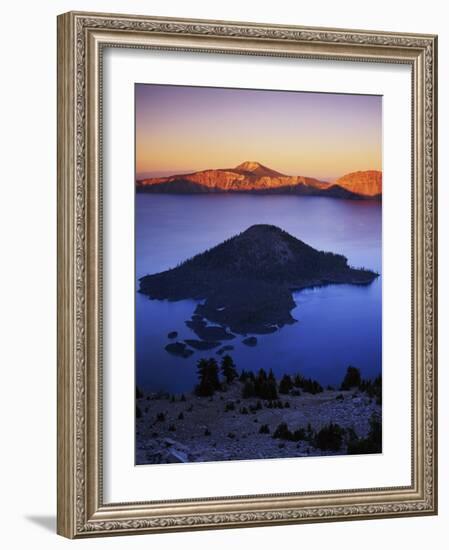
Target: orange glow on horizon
x,y
181,128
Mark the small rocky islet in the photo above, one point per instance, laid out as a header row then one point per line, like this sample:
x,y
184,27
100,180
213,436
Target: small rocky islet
x,y
179,349
245,285
251,341
225,349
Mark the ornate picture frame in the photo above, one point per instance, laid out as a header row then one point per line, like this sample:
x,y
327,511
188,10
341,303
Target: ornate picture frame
x,y
82,38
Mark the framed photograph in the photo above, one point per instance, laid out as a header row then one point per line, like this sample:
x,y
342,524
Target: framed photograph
x,y
246,274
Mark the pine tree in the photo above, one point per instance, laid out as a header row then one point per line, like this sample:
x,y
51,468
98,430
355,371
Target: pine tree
x,y
248,389
208,377
286,384
352,379
243,376
260,382
228,369
329,438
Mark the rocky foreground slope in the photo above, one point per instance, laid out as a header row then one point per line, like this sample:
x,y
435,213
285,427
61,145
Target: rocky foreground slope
x,y
227,427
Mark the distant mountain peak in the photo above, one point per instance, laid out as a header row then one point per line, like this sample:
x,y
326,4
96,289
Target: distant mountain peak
x,y
257,169
249,166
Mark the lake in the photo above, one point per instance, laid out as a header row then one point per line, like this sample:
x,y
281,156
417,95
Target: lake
x,y
337,325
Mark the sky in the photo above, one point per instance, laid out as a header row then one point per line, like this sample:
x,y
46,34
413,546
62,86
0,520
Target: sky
x,y
187,128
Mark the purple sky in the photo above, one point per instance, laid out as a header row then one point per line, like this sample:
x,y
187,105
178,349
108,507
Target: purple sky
x,y
182,128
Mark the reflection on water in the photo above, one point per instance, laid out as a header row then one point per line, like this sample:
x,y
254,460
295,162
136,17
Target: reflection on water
x,y
336,325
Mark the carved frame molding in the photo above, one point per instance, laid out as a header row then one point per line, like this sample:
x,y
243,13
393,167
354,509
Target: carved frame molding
x,y
81,39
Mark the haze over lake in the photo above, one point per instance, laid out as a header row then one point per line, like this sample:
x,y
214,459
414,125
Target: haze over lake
x,y
337,325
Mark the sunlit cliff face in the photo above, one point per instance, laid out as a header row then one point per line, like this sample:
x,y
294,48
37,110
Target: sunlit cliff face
x,y
253,176
368,183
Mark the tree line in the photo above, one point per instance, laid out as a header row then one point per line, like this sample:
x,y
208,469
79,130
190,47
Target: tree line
x,y
264,385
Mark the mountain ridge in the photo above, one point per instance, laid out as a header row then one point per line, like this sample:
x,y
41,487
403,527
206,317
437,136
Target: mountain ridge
x,y
254,177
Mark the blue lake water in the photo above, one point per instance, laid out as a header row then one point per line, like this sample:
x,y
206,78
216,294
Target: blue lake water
x,y
337,325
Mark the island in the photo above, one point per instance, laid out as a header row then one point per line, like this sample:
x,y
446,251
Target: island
x,y
245,284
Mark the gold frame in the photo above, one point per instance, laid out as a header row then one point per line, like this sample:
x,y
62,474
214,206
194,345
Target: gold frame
x,y
81,38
